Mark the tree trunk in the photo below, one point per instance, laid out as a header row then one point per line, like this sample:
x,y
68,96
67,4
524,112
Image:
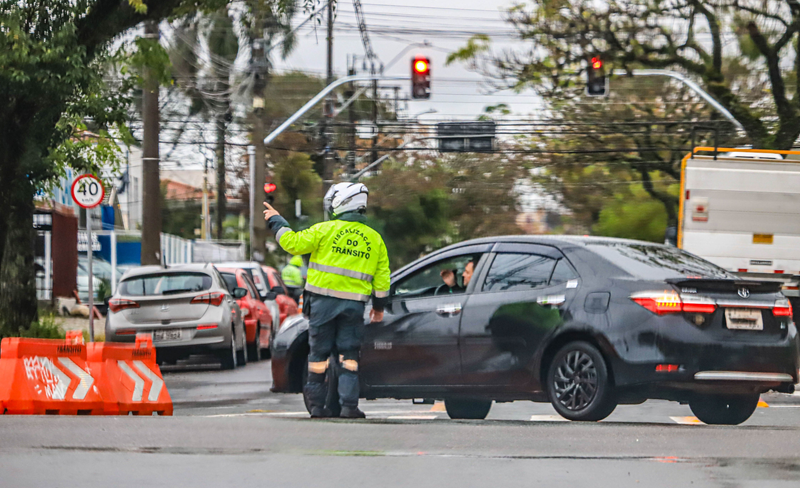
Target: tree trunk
x,y
220,155
18,303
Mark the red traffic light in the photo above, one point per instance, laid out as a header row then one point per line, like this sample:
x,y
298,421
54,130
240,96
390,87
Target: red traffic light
x,y
597,63
421,65
270,187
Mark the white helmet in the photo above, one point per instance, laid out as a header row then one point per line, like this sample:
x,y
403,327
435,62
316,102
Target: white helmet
x,y
346,197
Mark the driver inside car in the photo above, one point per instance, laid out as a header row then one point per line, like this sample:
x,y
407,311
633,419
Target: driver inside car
x,y
449,277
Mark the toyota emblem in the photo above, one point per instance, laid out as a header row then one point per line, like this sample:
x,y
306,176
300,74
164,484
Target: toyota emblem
x,y
744,292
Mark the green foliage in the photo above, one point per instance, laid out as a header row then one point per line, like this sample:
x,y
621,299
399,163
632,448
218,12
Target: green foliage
x,y
296,179
47,327
103,289
633,215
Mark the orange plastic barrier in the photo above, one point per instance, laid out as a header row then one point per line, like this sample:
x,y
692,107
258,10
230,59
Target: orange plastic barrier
x,y
47,376
129,379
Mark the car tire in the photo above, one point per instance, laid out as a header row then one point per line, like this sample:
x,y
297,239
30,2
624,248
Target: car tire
x,y
228,356
584,395
471,409
241,354
254,350
332,396
724,409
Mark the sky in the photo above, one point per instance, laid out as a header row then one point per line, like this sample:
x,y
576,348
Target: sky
x,y
394,25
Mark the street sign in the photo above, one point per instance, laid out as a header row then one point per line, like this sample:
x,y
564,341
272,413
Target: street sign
x,y
88,191
466,136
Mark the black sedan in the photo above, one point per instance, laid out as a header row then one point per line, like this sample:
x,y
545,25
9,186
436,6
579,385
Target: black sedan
x,y
584,323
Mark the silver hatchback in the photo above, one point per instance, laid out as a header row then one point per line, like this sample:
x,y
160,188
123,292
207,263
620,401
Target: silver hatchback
x,y
187,308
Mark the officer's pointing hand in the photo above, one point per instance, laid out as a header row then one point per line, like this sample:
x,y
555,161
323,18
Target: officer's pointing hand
x,y
269,212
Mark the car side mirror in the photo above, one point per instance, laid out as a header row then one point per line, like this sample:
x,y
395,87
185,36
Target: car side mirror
x,y
239,293
271,296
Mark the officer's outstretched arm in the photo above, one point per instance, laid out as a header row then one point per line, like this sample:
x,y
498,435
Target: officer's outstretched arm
x,y
382,280
303,242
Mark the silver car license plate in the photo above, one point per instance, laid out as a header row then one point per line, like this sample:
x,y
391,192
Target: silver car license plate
x,y
167,335
744,319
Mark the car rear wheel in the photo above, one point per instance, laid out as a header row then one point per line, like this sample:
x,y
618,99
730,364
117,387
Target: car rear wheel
x,y
254,349
724,409
228,357
467,409
578,383
241,354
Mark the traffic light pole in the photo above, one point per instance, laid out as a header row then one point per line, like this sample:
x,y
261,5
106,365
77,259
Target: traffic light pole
x,y
689,83
321,95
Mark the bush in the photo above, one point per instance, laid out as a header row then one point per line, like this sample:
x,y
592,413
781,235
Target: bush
x,y
47,327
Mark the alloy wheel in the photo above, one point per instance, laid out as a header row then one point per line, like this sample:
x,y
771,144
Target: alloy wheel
x,y
576,380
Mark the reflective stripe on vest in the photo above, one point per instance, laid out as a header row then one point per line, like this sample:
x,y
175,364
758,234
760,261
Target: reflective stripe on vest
x,y
341,271
337,294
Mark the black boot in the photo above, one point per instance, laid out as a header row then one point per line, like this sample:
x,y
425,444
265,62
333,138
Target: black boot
x,y
352,413
321,413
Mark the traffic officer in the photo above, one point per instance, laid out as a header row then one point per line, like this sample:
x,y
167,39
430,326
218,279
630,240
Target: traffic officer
x,y
292,277
348,265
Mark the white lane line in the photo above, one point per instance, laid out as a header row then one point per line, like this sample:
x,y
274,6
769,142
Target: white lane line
x,y
548,418
411,417
690,420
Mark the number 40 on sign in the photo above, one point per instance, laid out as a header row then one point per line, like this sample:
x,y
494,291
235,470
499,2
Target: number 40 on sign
x,y
88,191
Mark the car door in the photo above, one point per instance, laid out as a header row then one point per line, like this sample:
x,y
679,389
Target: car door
x,y
518,304
416,344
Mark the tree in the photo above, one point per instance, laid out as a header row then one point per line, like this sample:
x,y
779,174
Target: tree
x,y
720,43
53,57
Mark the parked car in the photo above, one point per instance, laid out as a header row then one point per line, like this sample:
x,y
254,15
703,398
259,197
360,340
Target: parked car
x,y
187,308
286,304
257,319
259,278
584,323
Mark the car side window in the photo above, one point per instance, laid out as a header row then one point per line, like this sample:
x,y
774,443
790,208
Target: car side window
x,y
440,278
562,273
251,288
518,271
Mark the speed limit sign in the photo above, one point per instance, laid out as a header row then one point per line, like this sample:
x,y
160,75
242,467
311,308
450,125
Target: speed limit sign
x,y
88,191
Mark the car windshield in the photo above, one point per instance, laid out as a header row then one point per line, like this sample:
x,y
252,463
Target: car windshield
x,y
165,284
657,262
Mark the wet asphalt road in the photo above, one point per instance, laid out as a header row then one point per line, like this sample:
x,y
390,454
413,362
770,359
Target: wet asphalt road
x,y
229,430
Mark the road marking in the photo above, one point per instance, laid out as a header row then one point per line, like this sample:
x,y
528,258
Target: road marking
x,y
138,383
691,420
412,417
86,379
548,418
156,382
438,407
762,404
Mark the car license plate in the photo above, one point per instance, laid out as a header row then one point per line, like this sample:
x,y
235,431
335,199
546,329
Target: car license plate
x,y
167,335
744,319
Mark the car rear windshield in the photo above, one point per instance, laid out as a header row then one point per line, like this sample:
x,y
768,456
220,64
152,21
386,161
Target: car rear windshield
x,y
230,281
165,284
655,262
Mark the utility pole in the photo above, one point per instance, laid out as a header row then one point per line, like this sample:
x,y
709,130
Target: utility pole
x,y
258,229
351,118
151,178
221,209
205,225
327,136
374,153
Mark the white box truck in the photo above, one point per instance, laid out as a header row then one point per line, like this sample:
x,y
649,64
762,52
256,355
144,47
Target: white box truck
x,y
740,209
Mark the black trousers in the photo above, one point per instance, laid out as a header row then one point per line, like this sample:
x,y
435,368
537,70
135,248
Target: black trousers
x,y
334,323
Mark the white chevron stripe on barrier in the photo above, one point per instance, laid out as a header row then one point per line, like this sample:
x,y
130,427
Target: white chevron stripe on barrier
x,y
138,383
157,383
86,380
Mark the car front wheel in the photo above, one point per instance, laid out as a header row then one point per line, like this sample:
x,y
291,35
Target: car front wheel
x,y
467,409
578,383
254,350
724,409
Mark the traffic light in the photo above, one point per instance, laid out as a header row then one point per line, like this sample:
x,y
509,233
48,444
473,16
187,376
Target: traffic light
x,y
420,78
269,189
596,83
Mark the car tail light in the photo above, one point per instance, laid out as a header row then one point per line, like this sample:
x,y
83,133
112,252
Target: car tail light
x,y
214,298
782,308
118,304
664,302
206,326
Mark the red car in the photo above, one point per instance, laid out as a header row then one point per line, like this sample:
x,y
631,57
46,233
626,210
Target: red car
x,y
257,318
286,304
